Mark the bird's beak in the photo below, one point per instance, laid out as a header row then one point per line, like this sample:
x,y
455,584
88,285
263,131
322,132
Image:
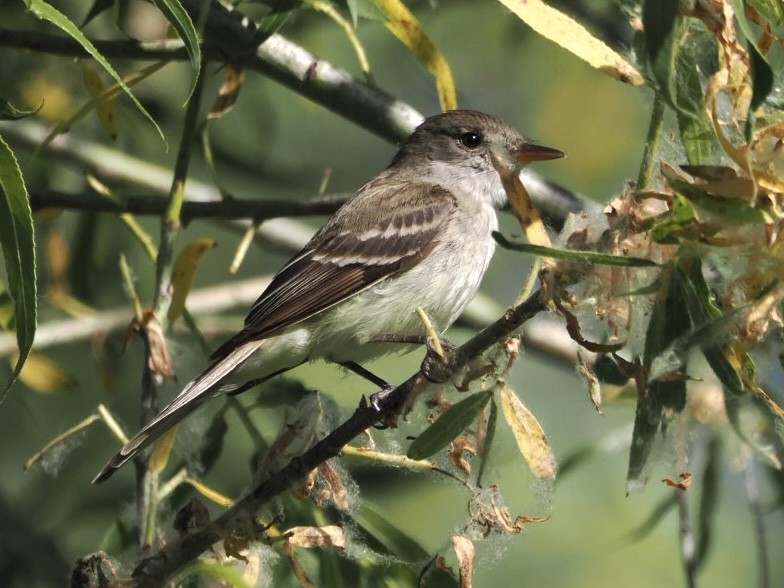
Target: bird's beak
x,y
529,152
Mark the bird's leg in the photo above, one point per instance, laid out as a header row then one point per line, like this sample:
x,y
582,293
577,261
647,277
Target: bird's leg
x,y
377,398
436,367
367,374
253,383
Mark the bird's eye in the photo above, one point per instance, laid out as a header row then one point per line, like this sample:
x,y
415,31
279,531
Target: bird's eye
x,y
470,140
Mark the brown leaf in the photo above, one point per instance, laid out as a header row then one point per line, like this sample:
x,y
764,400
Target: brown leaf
x,y
192,517
229,91
457,454
685,481
310,537
336,486
594,386
159,360
575,332
466,553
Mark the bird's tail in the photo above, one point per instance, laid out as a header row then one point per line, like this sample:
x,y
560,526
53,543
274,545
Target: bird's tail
x,y
191,397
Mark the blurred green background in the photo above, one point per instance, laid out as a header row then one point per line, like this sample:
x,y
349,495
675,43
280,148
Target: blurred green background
x,y
276,144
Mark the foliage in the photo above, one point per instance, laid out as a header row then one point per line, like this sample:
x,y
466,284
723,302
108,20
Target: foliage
x,y
674,286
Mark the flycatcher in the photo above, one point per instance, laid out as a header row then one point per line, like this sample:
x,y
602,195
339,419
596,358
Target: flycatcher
x,y
416,235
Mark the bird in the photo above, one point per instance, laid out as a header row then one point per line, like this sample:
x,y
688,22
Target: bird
x,y
419,234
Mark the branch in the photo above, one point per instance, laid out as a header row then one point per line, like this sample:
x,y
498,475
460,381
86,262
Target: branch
x,y
154,570
277,58
229,209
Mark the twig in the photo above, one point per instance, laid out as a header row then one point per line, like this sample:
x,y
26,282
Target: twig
x,y
651,143
752,495
686,536
147,481
153,571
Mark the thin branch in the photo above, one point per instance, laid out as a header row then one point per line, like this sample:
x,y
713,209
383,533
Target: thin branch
x,y
154,570
147,480
753,497
229,209
686,536
651,143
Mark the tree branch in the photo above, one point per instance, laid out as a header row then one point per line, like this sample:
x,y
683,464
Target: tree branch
x,y
229,209
154,570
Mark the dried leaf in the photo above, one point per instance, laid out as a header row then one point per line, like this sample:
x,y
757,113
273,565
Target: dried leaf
x,y
591,381
684,482
229,91
310,537
159,360
191,518
457,454
530,437
466,553
336,486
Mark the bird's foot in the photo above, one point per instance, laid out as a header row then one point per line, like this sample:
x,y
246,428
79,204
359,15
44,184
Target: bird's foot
x,y
438,366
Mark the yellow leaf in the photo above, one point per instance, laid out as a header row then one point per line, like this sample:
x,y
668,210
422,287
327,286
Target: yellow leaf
x,y
42,374
107,113
183,272
523,208
529,435
407,29
573,37
211,494
162,450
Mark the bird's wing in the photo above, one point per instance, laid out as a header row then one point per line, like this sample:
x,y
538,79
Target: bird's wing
x,y
350,254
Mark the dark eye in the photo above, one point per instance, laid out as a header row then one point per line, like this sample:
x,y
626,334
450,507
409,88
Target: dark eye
x,y
470,140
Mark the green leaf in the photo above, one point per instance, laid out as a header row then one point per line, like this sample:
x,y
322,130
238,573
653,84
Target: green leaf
x,y
9,112
696,130
761,86
50,14
492,421
7,307
18,242
657,516
771,10
661,399
709,498
448,426
574,255
661,19
387,534
182,23
97,8
735,210
679,223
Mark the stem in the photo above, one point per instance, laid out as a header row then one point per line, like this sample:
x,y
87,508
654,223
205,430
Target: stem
x,y
752,494
686,536
651,143
170,225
